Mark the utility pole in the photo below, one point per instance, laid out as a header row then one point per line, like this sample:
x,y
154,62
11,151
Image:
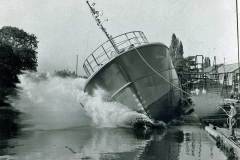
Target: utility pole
x,y
238,45
76,65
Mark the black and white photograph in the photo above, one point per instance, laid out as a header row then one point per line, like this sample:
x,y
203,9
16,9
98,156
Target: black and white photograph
x,y
119,80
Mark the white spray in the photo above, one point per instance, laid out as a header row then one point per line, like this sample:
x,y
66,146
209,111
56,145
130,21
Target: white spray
x,y
50,102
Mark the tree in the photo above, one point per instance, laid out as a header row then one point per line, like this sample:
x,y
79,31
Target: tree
x,y
174,45
65,73
176,48
23,44
17,53
176,52
180,51
8,66
18,38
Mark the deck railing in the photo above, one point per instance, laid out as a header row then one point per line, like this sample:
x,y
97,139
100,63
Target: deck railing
x,y
105,52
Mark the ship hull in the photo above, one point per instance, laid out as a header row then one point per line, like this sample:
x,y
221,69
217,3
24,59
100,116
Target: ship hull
x,y
143,79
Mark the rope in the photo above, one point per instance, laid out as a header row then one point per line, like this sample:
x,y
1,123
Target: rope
x,y
159,74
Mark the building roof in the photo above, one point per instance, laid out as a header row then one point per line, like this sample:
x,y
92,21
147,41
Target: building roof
x,y
209,69
228,68
212,68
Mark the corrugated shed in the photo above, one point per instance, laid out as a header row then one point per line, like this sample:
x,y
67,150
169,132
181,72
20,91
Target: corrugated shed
x,y
212,68
228,68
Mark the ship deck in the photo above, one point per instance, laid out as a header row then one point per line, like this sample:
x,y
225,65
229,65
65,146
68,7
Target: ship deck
x,y
106,51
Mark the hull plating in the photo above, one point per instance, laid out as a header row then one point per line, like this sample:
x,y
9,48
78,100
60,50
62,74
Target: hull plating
x,y
128,80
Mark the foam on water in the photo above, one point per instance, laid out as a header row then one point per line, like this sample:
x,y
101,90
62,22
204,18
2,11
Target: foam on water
x,y
50,102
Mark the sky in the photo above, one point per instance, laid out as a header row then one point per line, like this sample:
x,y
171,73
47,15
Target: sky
x,y
66,28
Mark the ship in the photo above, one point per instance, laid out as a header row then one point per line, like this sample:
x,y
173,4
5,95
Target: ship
x,y
134,72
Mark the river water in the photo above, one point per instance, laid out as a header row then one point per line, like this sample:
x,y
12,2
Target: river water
x,y
55,119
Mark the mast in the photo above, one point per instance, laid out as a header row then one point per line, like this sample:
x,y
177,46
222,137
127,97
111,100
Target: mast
x,y
95,14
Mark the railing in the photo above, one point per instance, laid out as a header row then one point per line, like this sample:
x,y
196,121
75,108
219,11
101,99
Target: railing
x,y
105,52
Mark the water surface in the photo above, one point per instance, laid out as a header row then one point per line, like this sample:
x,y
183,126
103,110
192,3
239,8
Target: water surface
x,y
56,120
176,143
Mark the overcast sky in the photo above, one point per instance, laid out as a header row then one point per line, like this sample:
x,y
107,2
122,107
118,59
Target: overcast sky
x,y
65,27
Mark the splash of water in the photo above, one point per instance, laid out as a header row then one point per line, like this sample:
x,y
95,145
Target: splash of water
x,y
51,102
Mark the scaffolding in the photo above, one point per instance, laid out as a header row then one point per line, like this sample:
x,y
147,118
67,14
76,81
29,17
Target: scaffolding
x,y
194,76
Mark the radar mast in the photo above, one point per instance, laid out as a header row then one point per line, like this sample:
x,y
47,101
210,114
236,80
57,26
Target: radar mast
x,y
96,16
